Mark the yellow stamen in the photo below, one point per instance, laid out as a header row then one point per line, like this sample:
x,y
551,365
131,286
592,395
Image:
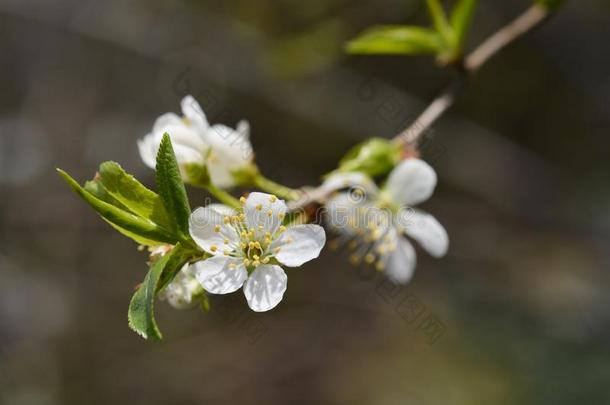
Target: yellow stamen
x,y
272,198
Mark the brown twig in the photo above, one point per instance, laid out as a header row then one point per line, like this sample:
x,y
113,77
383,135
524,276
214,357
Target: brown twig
x,y
409,137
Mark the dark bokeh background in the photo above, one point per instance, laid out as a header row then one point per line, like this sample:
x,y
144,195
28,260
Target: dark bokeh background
x,y
517,313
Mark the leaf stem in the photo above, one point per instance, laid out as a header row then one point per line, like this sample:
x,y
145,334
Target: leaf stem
x,y
222,196
270,186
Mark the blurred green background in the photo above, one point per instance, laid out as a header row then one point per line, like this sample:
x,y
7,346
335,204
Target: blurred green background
x,y
517,313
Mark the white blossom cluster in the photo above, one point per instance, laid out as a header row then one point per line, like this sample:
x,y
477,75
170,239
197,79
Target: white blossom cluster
x,y
247,248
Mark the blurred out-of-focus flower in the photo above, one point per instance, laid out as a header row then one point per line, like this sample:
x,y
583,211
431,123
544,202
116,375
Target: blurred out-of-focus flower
x,y
373,221
218,151
182,290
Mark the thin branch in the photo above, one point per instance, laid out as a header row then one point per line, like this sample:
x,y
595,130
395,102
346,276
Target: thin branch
x,y
521,25
531,18
509,33
442,103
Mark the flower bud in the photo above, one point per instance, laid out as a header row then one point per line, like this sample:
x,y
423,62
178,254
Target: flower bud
x,y
374,157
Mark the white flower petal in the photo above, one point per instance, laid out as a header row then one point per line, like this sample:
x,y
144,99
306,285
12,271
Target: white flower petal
x,y
401,262
411,182
265,287
148,150
350,180
339,210
192,110
264,210
243,127
430,234
186,155
343,212
222,209
232,146
300,244
188,145
203,224
231,151
179,292
166,120
220,274
184,136
220,174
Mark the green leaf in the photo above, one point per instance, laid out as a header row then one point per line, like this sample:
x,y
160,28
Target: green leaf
x,y
439,19
171,187
461,17
132,194
141,315
180,255
137,238
396,39
118,216
96,188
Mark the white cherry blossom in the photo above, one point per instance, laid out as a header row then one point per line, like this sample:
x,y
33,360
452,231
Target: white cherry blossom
x,y
373,221
249,248
221,149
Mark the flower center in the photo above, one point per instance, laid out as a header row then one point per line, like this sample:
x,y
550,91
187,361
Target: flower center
x,y
255,244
